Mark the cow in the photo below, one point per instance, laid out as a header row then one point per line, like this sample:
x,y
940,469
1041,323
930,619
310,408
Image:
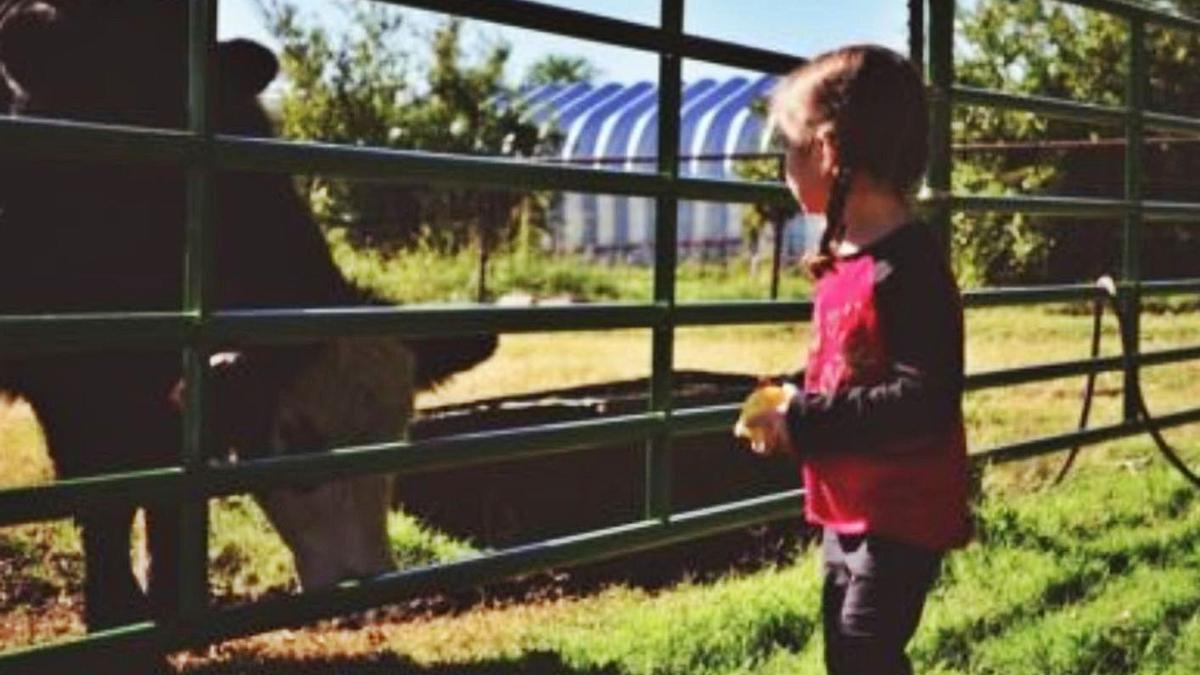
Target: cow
x,y
86,236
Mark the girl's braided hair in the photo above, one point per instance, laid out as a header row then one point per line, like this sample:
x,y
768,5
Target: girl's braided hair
x,y
874,102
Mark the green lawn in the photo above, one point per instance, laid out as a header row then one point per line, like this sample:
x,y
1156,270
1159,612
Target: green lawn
x,y
1096,576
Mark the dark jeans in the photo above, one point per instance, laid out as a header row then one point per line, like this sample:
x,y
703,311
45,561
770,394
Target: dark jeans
x,y
874,592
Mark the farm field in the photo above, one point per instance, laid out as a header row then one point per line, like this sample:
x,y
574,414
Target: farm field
x,y
1097,575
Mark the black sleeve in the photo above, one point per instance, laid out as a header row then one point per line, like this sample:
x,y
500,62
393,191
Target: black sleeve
x,y
920,316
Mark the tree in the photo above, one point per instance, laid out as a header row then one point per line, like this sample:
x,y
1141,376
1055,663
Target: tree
x,y
349,92
560,68
1034,47
363,88
756,218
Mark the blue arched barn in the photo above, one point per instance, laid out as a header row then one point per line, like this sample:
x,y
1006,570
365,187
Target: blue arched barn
x,y
614,126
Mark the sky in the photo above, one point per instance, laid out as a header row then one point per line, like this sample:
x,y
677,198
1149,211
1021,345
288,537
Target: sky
x,y
802,27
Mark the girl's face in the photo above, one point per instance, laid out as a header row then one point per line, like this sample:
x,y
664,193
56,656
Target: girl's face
x,y
810,163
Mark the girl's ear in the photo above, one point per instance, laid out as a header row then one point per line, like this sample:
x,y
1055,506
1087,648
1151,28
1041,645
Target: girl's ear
x,y
828,157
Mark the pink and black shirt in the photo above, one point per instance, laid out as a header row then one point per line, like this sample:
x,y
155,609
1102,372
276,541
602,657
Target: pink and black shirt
x,y
879,423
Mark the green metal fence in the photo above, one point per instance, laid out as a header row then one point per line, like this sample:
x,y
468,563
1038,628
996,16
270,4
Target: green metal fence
x,y
197,325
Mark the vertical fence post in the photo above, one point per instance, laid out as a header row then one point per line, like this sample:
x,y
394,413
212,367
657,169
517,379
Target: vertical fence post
x,y
778,227
1131,249
193,558
940,72
916,32
778,230
670,84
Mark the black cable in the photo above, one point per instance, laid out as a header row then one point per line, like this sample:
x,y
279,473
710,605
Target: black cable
x,y
1089,388
1109,289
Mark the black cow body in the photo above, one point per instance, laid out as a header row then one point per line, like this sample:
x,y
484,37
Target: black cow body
x,y
88,236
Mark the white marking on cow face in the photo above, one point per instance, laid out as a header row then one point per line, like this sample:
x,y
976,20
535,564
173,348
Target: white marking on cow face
x,y
337,530
359,390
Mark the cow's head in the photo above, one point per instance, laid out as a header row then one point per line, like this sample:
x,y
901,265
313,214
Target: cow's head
x,y
347,392
337,529
125,62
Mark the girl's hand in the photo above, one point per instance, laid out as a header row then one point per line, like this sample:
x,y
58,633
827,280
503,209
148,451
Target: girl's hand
x,y
763,421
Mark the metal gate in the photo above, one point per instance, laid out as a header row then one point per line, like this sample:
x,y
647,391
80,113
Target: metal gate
x,y
197,326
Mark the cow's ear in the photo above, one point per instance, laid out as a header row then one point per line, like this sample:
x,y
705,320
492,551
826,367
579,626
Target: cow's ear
x,y
246,68
31,45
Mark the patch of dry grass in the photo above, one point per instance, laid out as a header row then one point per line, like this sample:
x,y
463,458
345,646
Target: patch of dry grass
x,y
530,362
23,459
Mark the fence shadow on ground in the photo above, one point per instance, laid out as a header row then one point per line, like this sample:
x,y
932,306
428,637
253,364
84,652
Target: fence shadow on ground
x,y
533,663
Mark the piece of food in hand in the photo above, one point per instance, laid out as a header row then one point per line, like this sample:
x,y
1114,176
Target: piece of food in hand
x,y
761,401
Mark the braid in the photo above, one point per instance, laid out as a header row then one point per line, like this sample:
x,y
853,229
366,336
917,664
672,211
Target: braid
x,y
837,93
835,224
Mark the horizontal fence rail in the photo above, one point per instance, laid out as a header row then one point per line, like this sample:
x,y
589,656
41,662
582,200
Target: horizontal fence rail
x,y
64,498
1129,10
59,332
597,28
199,326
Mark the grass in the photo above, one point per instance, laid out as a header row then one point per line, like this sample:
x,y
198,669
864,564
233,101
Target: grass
x,y
1049,587
423,275
247,560
41,575
1095,576
23,459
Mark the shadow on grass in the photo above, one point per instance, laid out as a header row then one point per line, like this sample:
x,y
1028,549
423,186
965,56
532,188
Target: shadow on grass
x,y
533,663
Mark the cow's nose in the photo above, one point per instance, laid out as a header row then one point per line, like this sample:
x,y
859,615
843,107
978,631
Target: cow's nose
x,y
337,530
375,565
357,577
318,572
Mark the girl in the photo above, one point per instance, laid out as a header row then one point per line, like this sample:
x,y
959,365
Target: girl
x,y
878,423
